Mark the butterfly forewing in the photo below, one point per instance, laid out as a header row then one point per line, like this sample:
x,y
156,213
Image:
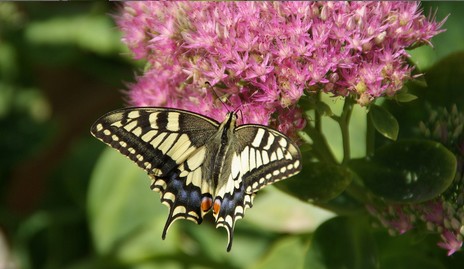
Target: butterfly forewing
x,y
157,139
193,160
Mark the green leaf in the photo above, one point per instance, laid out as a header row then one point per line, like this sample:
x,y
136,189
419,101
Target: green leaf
x,y
286,253
343,204
444,89
384,122
410,250
276,211
123,212
407,171
445,80
317,182
405,97
91,32
408,261
343,242
209,244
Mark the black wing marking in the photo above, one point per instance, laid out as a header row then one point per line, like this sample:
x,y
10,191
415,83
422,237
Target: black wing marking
x,y
262,156
169,145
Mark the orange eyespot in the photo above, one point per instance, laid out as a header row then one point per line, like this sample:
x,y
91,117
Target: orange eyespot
x,y
206,204
216,206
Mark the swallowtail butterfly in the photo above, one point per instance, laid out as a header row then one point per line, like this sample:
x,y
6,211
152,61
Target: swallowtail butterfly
x,y
198,164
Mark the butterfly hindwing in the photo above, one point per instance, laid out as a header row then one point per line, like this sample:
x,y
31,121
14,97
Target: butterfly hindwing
x,y
169,145
182,194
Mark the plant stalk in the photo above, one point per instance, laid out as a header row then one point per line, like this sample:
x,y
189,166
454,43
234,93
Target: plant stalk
x,y
344,123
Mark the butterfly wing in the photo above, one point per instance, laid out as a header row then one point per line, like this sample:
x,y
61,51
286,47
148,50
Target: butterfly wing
x,y
272,156
170,145
261,157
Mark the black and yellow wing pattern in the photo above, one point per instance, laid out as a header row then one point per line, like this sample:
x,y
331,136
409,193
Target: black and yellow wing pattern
x,y
198,164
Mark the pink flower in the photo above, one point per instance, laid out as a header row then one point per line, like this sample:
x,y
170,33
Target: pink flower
x,y
451,242
403,221
265,55
260,70
433,212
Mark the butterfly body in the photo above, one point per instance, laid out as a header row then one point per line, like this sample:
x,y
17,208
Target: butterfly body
x,y
198,164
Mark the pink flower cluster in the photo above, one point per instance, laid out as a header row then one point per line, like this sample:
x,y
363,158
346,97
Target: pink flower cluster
x,y
263,56
437,215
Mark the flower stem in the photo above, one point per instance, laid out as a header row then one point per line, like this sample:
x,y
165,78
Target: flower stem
x,y
370,136
344,122
320,145
317,121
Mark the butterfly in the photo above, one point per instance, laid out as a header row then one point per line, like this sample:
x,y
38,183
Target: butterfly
x,y
198,164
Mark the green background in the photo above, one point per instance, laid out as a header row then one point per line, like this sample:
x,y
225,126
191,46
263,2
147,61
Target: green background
x,y
66,201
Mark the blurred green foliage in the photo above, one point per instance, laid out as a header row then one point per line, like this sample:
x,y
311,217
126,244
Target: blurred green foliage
x,y
68,203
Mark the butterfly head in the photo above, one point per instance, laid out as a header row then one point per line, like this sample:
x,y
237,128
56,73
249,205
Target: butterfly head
x,y
228,126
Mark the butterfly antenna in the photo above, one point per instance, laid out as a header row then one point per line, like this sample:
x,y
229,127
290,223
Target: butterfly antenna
x,y
217,96
238,109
